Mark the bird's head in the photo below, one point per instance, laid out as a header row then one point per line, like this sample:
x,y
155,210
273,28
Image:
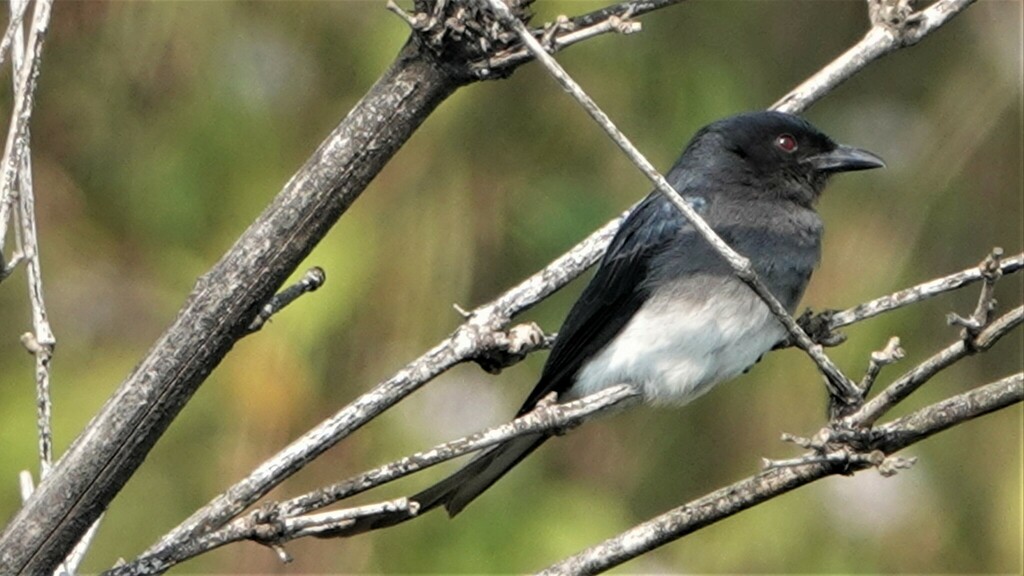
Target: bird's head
x,y
773,153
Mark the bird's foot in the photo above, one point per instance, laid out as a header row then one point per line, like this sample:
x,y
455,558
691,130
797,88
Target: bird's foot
x,y
503,349
818,328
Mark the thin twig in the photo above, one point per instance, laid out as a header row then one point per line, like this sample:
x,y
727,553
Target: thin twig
x,y
883,38
15,146
879,358
990,271
43,339
18,10
272,518
612,19
550,416
875,408
920,292
311,281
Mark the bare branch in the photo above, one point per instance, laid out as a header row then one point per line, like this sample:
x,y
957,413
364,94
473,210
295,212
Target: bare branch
x,y
919,293
273,518
883,38
549,416
912,380
472,338
14,149
943,415
747,493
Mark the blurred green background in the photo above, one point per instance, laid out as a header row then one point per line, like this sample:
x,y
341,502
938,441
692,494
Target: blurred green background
x,y
162,129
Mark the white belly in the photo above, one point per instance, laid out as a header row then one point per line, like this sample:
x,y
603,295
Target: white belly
x,y
676,351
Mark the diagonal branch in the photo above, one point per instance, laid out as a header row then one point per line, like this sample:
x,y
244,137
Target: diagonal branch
x,y
218,312
475,336
884,37
918,293
893,394
273,518
749,492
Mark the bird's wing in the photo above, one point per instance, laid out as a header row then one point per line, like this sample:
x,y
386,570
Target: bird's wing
x,y
614,294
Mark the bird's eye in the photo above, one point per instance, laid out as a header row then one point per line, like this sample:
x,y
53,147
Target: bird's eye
x,y
786,143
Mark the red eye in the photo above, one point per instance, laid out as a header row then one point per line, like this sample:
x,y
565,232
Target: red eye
x,y
786,143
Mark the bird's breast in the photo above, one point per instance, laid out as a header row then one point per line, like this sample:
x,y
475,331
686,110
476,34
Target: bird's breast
x,y
687,337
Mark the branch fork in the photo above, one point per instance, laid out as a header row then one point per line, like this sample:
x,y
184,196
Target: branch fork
x,y
846,449
991,270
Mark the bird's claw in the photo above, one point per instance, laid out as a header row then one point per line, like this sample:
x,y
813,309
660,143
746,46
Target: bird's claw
x,y
818,328
507,348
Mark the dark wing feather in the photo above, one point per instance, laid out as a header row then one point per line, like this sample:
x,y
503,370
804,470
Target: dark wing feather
x,y
613,296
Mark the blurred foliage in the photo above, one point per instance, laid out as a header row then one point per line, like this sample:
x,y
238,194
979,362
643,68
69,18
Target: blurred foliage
x,y
162,128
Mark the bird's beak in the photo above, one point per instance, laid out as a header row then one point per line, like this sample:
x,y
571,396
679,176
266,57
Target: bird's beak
x,y
845,159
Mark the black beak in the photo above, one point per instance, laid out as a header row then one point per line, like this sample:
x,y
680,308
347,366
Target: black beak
x,y
845,159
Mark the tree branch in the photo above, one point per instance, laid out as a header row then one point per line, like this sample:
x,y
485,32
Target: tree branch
x,y
918,293
884,37
220,309
277,522
479,334
747,493
914,379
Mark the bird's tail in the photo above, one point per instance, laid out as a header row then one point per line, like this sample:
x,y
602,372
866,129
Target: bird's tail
x,y
462,487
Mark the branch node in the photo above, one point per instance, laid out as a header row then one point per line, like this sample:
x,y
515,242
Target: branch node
x,y
311,281
547,34
891,354
991,270
7,268
466,314
417,22
891,465
896,16
282,554
818,442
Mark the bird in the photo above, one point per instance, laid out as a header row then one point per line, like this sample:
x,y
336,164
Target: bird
x,y
666,313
